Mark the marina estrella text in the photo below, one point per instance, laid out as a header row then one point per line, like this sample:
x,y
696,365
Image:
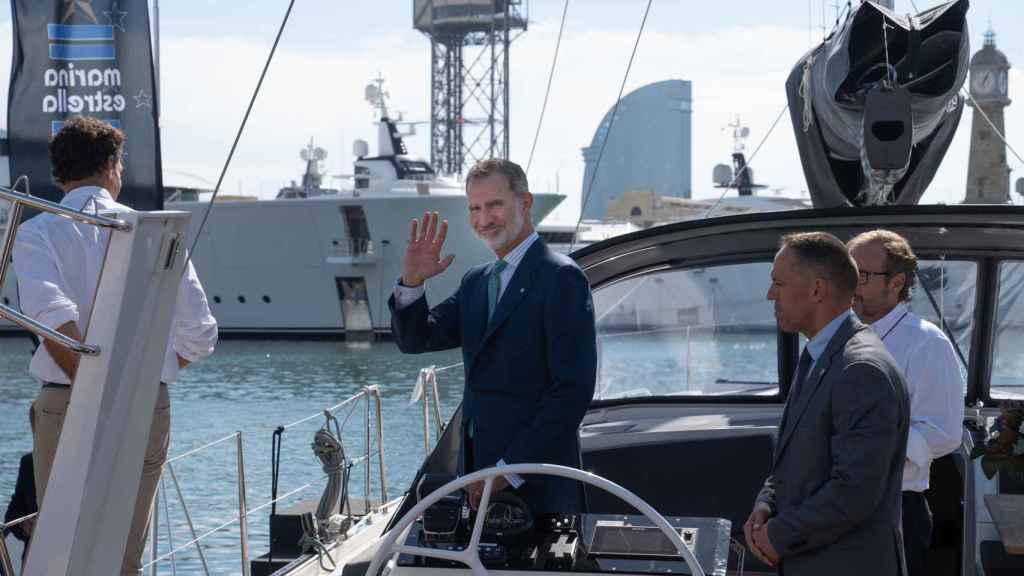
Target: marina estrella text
x,y
78,90
84,76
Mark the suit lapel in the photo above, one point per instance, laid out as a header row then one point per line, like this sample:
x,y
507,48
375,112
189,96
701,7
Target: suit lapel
x,y
516,289
476,321
795,407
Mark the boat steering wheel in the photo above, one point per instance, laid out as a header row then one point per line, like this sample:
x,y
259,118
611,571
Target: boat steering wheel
x,y
390,548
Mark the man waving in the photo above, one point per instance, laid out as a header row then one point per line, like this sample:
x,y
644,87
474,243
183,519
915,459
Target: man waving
x,y
525,324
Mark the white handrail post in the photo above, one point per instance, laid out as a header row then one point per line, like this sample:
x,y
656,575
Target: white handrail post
x,y
14,220
243,528
366,462
380,450
167,521
154,534
437,407
426,412
5,556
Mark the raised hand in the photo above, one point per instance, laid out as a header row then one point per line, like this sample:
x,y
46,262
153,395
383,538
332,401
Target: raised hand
x,y
422,258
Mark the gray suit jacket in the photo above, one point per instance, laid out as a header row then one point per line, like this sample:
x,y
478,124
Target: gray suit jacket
x,y
834,489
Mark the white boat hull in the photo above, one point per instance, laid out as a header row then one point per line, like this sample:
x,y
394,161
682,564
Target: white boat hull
x,y
273,267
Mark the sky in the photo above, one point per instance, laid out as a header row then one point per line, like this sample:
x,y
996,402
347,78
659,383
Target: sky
x,y
737,55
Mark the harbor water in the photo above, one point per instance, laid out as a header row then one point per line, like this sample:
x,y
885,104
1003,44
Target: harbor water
x,y
255,386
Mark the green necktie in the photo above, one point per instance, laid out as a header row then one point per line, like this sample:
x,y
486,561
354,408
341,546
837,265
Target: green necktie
x,y
493,286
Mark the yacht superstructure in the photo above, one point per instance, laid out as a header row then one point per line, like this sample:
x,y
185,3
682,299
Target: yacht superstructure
x,y
318,260
682,426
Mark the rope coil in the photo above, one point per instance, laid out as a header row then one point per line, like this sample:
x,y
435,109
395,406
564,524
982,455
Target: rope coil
x,y
805,93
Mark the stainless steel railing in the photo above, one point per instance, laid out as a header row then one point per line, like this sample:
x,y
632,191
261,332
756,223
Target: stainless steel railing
x,y
373,410
242,518
371,394
426,384
155,513
5,556
18,200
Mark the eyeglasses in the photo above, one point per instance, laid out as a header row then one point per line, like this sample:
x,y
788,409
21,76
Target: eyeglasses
x,y
864,276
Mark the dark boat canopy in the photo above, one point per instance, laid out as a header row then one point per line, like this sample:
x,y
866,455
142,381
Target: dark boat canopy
x,y
970,282
875,106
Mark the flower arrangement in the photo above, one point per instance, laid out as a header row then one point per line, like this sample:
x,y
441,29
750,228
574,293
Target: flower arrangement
x,y
1004,447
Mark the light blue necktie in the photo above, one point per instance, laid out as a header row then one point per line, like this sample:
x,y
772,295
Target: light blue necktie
x,y
494,286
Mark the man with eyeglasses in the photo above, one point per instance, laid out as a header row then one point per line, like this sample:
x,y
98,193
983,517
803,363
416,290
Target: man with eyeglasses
x,y
935,379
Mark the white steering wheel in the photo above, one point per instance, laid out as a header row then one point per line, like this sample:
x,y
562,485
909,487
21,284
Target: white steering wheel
x,y
470,555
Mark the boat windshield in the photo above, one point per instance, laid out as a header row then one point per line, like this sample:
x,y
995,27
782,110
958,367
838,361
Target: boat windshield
x,y
711,331
1007,361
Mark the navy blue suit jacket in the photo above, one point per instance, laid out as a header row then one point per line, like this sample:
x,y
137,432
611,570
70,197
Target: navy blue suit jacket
x,y
530,371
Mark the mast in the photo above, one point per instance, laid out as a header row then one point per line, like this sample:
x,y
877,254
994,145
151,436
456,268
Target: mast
x,y
156,53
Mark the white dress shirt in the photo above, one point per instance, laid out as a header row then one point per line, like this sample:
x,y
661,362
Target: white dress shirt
x,y
58,261
405,295
936,385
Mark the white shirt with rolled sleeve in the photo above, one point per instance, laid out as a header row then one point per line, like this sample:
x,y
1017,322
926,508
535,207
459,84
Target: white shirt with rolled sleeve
x,y
935,384
58,262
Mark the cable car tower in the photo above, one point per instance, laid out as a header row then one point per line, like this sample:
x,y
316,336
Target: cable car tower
x,y
469,77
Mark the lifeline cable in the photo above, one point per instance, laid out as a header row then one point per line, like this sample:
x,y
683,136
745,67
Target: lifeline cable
x,y
547,92
238,136
611,123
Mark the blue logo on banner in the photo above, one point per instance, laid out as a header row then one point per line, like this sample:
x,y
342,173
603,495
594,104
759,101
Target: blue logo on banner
x,y
82,52
79,32
81,41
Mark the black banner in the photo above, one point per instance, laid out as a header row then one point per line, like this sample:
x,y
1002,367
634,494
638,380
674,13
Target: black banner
x,y
89,58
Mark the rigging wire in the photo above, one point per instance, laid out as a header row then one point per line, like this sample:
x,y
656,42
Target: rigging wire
x,y
890,71
611,123
750,161
991,124
823,31
547,92
810,26
238,136
841,16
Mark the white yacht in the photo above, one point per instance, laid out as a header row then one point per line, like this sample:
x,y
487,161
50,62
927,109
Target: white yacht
x,y
678,391
317,260
676,441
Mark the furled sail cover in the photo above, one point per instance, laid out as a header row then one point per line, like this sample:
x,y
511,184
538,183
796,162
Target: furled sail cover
x,y
830,88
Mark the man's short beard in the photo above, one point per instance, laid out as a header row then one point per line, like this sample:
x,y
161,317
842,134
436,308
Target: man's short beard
x,y
510,233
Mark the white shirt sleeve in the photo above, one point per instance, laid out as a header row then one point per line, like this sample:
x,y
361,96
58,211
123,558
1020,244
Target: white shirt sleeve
x,y
514,480
42,290
936,383
195,328
405,295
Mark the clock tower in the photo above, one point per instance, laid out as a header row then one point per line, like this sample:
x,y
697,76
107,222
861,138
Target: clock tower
x,y
988,175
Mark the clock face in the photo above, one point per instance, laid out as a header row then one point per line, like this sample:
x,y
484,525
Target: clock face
x,y
983,82
1002,82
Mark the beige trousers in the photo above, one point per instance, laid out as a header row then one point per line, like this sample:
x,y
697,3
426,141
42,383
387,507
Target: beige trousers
x,y
49,410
